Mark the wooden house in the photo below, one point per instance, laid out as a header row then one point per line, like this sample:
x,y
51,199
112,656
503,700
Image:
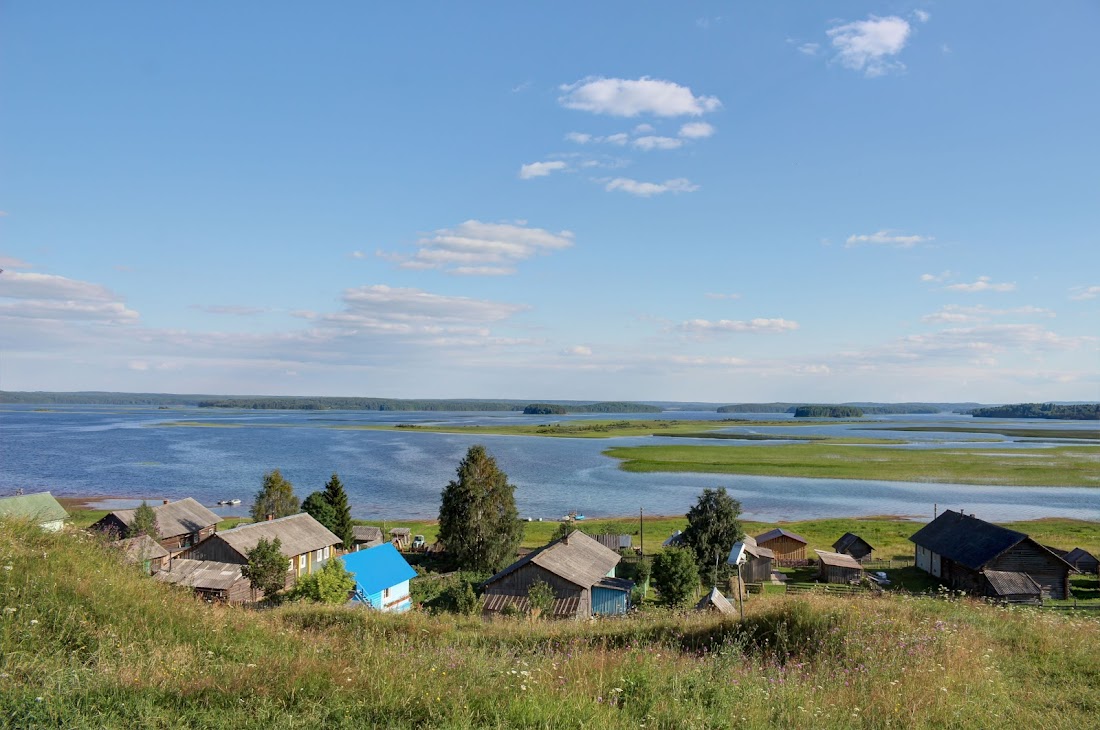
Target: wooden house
x,y
854,545
305,542
211,580
788,548
838,568
715,602
755,561
144,551
580,571
401,537
959,548
381,578
40,508
181,524
365,537
1082,560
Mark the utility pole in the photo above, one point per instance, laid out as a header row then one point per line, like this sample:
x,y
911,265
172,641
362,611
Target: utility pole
x,y
641,530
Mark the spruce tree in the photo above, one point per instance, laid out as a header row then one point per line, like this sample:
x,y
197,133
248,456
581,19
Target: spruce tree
x,y
317,507
713,528
478,521
276,498
337,499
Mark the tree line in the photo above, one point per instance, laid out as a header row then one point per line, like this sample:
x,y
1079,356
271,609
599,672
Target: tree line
x,y
604,407
828,412
1075,412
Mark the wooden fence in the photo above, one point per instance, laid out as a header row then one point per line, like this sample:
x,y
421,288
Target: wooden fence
x,y
888,564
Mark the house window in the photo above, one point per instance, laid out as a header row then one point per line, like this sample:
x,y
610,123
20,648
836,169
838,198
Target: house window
x,y
385,592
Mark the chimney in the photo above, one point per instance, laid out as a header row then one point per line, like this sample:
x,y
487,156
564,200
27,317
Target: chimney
x,y
270,516
164,501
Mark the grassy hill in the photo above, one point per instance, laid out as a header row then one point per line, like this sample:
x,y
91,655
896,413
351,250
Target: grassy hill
x,y
86,642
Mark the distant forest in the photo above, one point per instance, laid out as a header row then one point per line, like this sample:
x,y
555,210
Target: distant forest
x,y
873,409
827,412
1077,412
608,407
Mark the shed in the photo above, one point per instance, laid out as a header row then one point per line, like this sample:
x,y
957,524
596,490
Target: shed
x,y
40,508
364,536
401,537
676,539
209,579
381,577
614,542
755,561
575,567
181,524
788,547
715,601
144,551
854,545
1012,587
1082,560
958,548
838,568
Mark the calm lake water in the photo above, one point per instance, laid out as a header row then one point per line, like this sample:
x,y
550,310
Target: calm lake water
x,y
132,453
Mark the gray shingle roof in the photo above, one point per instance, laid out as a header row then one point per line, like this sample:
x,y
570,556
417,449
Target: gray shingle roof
x,y
297,534
577,558
363,533
838,560
175,518
1011,583
847,540
137,549
780,532
205,574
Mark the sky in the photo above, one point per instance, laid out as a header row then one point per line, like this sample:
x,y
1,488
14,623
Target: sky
x,y
717,202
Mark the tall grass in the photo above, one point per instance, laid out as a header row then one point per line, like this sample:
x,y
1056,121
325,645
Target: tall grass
x,y
86,642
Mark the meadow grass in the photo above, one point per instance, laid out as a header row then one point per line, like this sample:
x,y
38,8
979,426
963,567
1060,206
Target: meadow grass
x,y
1061,466
87,642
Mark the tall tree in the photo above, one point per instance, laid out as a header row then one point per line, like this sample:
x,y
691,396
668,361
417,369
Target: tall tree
x,y
341,512
318,507
676,576
713,528
144,522
478,521
267,566
276,498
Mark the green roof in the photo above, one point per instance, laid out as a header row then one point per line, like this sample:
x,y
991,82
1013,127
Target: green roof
x,y
41,507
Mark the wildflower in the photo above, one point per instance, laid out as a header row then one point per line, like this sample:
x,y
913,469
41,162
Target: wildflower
x,y
9,609
37,699
34,621
7,567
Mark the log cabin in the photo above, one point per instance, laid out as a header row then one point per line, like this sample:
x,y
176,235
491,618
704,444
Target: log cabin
x,y
181,524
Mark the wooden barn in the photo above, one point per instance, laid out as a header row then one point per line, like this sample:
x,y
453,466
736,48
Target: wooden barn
x,y
181,524
788,547
1082,560
578,569
144,551
305,542
40,508
755,561
715,602
838,568
615,542
854,545
210,580
365,537
959,548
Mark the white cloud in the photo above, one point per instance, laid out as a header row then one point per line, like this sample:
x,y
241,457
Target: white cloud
x,y
937,278
357,255
657,143
984,283
1091,292
705,361
696,130
922,15
723,296
578,351
809,49
106,312
8,263
645,129
477,248
649,189
540,169
19,285
631,97
812,369
233,309
52,297
620,139
870,45
578,137
958,314
886,238
759,324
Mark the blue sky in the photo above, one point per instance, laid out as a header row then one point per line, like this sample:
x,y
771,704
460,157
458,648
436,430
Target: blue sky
x,y
752,202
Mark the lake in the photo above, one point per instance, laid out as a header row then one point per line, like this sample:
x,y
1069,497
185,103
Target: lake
x,y
128,454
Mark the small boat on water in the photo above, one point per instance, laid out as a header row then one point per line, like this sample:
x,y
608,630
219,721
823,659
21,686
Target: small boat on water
x,y
229,502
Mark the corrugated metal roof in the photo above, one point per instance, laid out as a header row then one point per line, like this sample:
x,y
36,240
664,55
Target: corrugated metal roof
x,y
137,549
39,507
966,540
847,540
204,574
838,560
1012,583
563,607
577,558
175,518
715,600
297,534
779,532
378,567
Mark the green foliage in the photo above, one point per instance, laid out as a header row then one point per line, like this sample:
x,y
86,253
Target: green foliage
x,y
318,507
276,497
452,593
540,597
267,567
828,412
676,576
713,528
564,528
331,584
144,522
337,499
1078,412
478,521
542,409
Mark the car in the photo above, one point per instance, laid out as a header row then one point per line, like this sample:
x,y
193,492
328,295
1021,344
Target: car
x,y
879,577
418,542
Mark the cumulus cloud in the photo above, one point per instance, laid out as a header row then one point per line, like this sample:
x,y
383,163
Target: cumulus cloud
x,y
870,45
540,169
886,238
696,130
649,189
106,312
958,314
631,97
759,324
922,15
809,49
578,351
474,247
937,278
48,296
18,285
578,137
652,142
983,284
1091,292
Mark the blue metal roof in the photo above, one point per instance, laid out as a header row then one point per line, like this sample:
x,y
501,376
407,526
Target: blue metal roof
x,y
377,568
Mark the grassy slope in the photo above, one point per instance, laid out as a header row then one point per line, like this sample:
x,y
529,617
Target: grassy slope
x,y
93,644
1063,466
